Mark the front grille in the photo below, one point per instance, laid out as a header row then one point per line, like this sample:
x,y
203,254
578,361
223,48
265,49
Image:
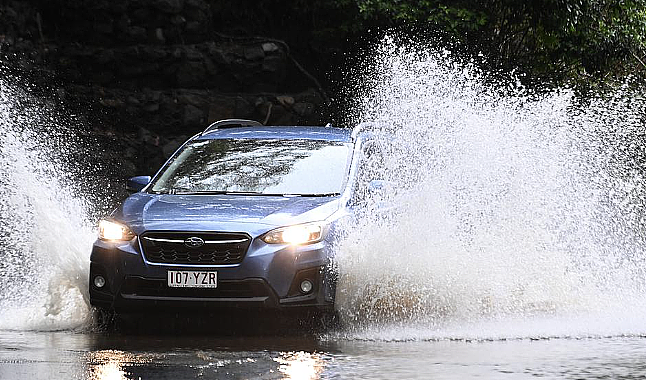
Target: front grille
x,y
217,248
137,286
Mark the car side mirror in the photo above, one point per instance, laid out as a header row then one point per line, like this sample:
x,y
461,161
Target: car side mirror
x,y
136,184
380,186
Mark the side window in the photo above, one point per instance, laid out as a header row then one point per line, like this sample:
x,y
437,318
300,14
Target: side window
x,y
371,167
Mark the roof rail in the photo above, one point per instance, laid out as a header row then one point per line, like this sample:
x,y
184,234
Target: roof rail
x,y
360,128
230,123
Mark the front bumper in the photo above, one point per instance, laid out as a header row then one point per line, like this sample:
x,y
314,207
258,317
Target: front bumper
x,y
268,278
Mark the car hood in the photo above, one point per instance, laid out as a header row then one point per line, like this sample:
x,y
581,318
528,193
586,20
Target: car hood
x,y
252,214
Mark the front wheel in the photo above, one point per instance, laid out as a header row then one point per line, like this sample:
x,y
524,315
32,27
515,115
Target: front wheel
x,y
103,318
319,320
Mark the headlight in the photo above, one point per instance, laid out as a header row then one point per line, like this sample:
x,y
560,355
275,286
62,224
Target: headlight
x,y
298,234
110,230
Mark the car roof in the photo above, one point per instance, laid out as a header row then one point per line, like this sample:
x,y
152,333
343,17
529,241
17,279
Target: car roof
x,y
280,133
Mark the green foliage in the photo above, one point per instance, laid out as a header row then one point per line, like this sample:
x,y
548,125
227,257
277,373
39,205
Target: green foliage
x,y
562,40
551,41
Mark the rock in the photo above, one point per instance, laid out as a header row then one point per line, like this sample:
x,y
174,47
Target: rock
x,y
263,108
217,54
130,152
192,115
152,107
104,27
199,4
131,53
237,51
131,70
141,15
8,40
211,69
104,56
196,14
131,169
285,100
274,64
111,103
146,136
101,5
171,146
262,85
194,27
151,155
191,98
154,53
168,6
178,20
309,96
154,96
137,33
169,72
304,109
141,67
173,34
11,13
221,109
191,74
243,108
260,100
254,53
170,104
278,112
103,77
122,24
118,6
192,54
157,36
269,47
286,119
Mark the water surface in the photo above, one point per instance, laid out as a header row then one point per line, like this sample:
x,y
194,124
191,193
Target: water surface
x,y
75,355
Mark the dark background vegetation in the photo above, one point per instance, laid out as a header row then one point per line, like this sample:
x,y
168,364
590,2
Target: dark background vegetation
x,y
146,74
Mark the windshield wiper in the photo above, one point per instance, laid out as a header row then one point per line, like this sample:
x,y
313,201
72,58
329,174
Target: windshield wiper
x,y
253,193
316,195
215,192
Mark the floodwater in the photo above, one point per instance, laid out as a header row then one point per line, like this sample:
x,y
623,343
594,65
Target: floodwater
x,y
517,247
102,356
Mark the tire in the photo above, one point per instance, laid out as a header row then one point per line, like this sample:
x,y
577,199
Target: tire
x,y
103,318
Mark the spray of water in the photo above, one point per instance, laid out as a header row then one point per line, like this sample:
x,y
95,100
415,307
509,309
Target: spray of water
x,y
513,216
44,231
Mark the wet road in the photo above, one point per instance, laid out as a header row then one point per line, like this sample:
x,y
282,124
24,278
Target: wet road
x,y
84,355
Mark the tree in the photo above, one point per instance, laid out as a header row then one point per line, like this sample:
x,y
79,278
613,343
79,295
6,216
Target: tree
x,y
559,40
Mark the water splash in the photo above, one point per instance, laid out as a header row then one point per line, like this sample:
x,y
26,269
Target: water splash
x,y
44,230
515,217
509,208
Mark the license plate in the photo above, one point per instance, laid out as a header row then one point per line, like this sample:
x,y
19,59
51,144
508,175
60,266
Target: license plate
x,y
192,279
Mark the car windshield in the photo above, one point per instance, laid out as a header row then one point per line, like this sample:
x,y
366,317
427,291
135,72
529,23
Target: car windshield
x,y
256,166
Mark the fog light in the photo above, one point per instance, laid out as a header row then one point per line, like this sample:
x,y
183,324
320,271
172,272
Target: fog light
x,y
306,286
99,281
